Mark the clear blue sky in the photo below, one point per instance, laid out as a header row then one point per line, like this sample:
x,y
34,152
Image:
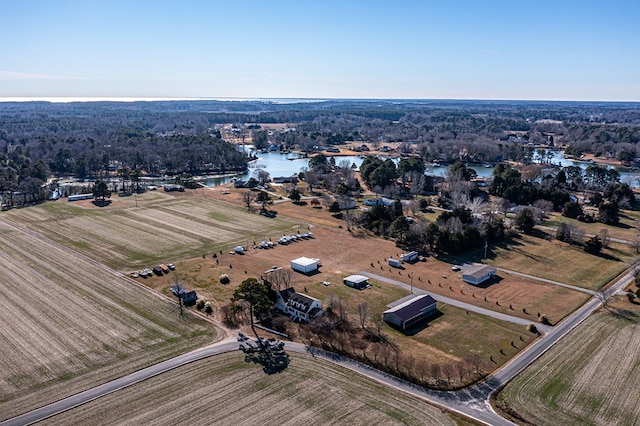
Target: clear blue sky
x,y
476,49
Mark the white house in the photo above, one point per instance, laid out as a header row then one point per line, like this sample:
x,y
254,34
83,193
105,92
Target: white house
x,y
298,306
304,264
478,274
410,312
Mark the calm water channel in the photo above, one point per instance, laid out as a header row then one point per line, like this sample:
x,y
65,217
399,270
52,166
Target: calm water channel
x,y
278,164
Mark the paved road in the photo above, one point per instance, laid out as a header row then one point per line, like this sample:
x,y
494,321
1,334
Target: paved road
x,y
459,304
473,402
544,280
229,344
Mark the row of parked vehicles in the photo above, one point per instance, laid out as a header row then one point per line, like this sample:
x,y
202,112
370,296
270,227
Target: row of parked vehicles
x,y
295,237
158,270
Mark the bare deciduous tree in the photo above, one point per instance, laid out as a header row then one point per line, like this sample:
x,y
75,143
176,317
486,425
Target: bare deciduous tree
x,y
605,238
363,314
281,278
248,197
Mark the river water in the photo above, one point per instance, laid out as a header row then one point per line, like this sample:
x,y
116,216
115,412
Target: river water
x,y
278,164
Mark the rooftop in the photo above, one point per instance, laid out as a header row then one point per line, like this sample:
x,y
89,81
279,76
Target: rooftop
x,y
412,308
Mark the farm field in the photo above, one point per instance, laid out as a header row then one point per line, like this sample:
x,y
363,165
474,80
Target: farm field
x,y
589,378
224,390
162,228
69,323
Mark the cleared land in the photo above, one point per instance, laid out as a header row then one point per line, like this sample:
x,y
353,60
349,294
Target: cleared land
x,y
588,378
558,261
224,390
69,323
162,228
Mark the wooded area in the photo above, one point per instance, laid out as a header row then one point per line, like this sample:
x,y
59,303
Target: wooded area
x,y
85,139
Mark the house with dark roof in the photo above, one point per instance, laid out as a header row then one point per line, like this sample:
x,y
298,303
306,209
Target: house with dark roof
x,y
410,312
298,306
478,274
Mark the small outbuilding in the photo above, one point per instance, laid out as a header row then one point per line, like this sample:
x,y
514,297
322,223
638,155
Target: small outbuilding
x,y
410,257
478,274
357,281
304,264
410,312
396,263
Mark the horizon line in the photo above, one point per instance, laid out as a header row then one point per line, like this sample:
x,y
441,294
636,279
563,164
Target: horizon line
x,y
130,99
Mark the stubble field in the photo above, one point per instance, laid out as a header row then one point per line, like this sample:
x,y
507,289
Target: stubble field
x,y
161,227
589,378
224,390
69,323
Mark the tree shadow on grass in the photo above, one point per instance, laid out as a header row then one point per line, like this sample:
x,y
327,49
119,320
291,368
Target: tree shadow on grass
x,y
101,203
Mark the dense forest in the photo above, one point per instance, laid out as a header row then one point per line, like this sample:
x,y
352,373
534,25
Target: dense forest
x,y
84,139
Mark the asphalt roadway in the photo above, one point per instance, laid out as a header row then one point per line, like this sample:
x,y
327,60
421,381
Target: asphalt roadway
x,y
472,402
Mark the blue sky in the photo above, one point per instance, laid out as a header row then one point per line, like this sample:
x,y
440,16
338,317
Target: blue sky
x,y
482,49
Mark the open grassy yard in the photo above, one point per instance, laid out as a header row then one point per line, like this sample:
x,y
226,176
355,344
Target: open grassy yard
x,y
556,260
162,228
627,229
69,323
589,378
224,390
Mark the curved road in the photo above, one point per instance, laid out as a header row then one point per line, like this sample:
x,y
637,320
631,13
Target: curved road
x,y
473,402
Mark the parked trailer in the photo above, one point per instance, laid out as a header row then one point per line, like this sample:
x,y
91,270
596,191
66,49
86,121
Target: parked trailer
x,y
79,197
395,262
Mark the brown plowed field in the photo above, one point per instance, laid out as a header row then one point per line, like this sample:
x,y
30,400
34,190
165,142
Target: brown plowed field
x,y
224,390
590,377
69,323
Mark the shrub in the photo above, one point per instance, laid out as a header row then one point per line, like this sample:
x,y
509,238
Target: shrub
x,y
544,320
531,328
207,308
200,304
224,279
593,245
572,210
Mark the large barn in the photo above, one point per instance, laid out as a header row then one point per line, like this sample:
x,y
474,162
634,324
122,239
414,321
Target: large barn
x,y
410,312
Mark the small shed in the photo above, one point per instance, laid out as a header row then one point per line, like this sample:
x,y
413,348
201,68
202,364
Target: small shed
x,y
304,264
410,312
357,281
478,274
396,263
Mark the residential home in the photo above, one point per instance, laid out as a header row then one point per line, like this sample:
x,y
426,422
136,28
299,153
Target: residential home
x,y
299,307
